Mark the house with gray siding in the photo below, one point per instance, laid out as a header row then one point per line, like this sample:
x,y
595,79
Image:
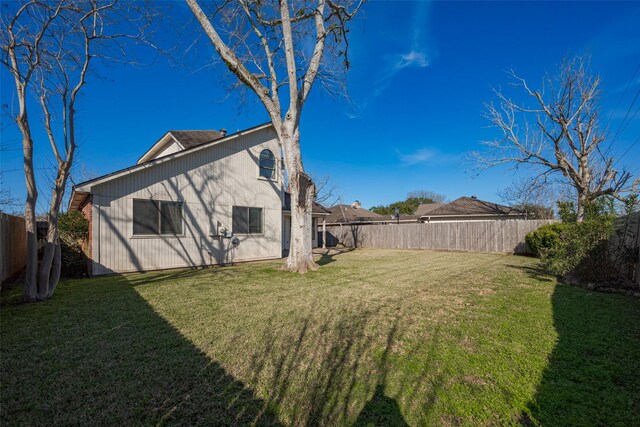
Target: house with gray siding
x,y
195,198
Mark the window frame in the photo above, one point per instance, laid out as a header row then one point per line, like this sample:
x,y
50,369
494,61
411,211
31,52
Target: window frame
x,y
158,211
275,166
248,224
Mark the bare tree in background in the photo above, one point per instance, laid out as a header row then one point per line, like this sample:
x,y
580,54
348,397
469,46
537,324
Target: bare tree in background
x,y
278,48
536,198
557,134
8,203
48,46
427,195
326,191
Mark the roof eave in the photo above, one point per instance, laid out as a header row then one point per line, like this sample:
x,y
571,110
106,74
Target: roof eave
x,y
77,199
287,211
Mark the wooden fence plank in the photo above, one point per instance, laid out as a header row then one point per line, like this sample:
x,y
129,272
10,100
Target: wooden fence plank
x,y
13,245
469,236
505,236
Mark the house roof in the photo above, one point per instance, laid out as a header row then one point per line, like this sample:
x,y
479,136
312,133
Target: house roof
x,y
471,206
193,138
82,190
346,213
317,209
424,208
185,139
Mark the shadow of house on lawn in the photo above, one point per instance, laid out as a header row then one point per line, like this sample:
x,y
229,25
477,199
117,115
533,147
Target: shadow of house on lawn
x,y
592,376
113,361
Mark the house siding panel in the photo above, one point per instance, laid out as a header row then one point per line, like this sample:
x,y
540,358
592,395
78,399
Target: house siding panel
x,y
208,182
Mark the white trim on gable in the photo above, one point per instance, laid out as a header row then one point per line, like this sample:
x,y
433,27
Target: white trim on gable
x,y
157,148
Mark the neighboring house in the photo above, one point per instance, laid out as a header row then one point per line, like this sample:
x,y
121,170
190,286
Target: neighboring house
x,y
355,214
467,209
425,208
183,201
352,214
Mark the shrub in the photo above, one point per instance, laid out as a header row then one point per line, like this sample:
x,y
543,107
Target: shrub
x,y
73,228
73,225
595,250
583,250
545,237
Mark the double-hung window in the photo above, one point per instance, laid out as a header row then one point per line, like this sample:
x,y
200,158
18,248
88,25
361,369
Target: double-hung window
x,y
156,217
247,220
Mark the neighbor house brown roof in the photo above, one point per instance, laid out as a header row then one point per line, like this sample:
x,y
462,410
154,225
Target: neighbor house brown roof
x,y
341,214
193,138
469,206
424,208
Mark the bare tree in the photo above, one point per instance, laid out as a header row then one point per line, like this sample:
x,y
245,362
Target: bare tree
x,y
557,134
537,198
276,44
48,46
326,191
8,203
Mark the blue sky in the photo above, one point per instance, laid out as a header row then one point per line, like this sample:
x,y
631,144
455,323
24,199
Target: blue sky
x,y
420,74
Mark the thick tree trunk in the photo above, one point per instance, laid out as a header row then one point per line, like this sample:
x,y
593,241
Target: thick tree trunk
x,y
31,274
54,277
51,261
31,271
582,200
300,257
50,266
302,191
324,233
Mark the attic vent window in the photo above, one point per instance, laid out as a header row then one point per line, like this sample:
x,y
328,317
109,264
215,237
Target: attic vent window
x,y
267,164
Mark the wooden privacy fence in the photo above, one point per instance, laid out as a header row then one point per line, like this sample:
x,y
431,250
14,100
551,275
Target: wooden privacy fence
x,y
13,245
625,244
506,236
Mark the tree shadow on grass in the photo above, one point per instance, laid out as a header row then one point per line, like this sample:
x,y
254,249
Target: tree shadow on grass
x,y
329,255
104,356
592,374
98,353
340,377
381,410
535,272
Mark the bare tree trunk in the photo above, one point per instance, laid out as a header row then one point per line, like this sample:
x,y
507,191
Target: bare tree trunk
x,y
582,200
50,266
302,191
31,275
324,233
55,270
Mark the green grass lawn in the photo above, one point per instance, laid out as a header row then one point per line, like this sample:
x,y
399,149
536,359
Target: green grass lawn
x,y
375,337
